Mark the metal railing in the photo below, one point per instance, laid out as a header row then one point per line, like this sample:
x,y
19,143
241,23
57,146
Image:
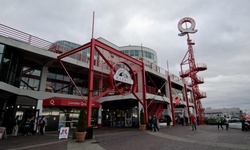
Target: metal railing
x,y
46,45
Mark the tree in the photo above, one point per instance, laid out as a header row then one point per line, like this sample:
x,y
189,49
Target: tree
x,y
81,125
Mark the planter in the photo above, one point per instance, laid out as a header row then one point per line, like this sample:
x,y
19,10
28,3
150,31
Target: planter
x,y
143,127
80,136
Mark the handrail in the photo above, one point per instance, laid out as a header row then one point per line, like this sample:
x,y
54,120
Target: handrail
x,y
44,44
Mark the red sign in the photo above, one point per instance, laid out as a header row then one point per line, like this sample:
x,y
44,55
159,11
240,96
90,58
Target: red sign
x,y
57,101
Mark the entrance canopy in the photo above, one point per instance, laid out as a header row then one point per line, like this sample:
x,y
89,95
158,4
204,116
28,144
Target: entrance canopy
x,y
60,101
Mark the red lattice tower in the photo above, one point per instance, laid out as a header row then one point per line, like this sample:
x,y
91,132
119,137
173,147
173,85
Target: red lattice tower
x,y
193,68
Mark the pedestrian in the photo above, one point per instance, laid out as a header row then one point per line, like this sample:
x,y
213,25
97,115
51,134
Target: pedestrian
x,y
16,126
155,123
42,125
150,123
186,120
226,121
242,120
198,120
27,127
182,120
219,122
32,124
169,120
193,122
39,124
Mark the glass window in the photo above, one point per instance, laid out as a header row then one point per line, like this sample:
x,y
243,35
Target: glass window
x,y
30,79
1,52
132,53
66,78
145,54
36,72
1,48
58,88
59,77
51,75
126,52
149,55
136,53
140,53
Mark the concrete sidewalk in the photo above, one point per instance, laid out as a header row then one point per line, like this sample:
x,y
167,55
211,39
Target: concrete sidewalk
x,y
206,137
87,144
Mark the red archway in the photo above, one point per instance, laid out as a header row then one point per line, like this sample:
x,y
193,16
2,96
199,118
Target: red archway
x,y
102,61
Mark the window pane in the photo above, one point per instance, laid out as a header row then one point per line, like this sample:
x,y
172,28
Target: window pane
x,y
51,75
136,53
132,53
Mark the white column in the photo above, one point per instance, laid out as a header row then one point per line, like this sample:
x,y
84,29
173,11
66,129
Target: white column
x,y
99,121
42,87
43,81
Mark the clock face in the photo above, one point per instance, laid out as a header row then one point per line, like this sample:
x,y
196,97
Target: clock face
x,y
186,25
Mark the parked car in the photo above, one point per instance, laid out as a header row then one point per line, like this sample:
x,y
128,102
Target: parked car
x,y
237,125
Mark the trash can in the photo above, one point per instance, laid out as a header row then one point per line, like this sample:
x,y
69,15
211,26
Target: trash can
x,y
89,134
74,133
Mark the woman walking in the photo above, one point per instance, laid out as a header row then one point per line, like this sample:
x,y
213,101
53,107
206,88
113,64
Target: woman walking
x,y
193,122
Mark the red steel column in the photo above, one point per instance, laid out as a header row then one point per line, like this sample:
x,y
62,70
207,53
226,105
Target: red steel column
x,y
145,104
171,99
90,83
186,96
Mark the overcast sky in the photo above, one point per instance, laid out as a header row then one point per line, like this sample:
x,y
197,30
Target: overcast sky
x,y
222,40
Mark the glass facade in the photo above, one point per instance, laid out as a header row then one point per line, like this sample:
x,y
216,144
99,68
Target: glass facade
x,y
68,45
59,83
11,62
1,53
138,53
30,78
67,116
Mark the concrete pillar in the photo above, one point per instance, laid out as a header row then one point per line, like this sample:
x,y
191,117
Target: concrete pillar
x,y
99,121
43,81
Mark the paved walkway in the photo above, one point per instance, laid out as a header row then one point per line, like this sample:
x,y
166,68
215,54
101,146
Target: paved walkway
x,y
206,137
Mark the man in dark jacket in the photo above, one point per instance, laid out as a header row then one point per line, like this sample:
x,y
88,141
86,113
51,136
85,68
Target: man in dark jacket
x,y
42,125
154,122
169,120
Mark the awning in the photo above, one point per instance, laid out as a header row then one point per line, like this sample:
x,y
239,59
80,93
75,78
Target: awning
x,y
60,101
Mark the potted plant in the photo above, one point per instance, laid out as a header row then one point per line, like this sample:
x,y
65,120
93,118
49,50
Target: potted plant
x,y
81,126
142,121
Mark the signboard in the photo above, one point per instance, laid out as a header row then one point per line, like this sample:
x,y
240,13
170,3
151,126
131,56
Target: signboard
x,y
123,75
128,122
64,133
186,30
3,134
56,101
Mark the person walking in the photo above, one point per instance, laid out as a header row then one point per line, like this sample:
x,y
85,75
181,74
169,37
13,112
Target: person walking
x,y
150,123
27,127
154,122
42,125
186,120
182,120
242,120
169,120
226,121
219,122
198,120
193,122
16,126
32,124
